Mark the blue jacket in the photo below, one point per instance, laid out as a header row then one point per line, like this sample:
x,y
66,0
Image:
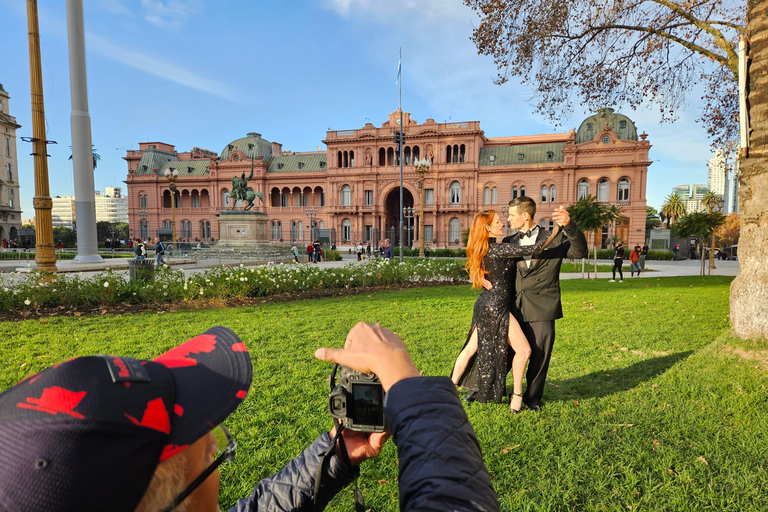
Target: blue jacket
x,y
440,463
389,253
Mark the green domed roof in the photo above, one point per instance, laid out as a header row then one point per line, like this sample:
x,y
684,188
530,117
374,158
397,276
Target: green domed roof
x,y
623,126
252,145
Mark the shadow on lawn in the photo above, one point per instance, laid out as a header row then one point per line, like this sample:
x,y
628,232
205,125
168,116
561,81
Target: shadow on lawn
x,y
606,382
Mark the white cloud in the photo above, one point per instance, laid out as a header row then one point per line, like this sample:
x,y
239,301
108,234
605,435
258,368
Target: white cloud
x,y
423,11
171,13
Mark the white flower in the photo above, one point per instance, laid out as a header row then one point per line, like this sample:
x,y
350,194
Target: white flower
x,y
53,291
201,291
241,265
134,293
185,286
106,284
165,286
165,294
6,289
27,302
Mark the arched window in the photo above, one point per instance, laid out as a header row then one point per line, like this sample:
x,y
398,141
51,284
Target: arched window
x,y
522,191
143,201
415,153
455,193
455,153
279,230
552,194
339,161
225,198
494,195
515,193
407,155
195,199
346,195
544,194
454,231
583,189
382,157
346,159
487,196
448,153
351,158
390,156
623,189
603,188
346,230
300,229
272,230
462,153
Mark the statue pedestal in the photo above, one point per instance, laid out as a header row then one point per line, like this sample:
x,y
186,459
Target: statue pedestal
x,y
242,226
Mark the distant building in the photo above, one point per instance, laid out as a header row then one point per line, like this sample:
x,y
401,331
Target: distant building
x,y
717,178
355,183
10,209
110,207
691,196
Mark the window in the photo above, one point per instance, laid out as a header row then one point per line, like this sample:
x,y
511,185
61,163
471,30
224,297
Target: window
x,y
339,160
552,194
195,201
551,225
407,156
623,189
369,197
225,197
550,155
346,195
283,199
272,230
454,231
544,194
415,153
382,157
293,230
279,230
346,230
7,146
143,202
622,125
543,224
10,197
494,195
428,236
368,233
583,189
429,196
390,156
205,229
520,157
448,152
603,187
177,200
487,196
462,153
351,158
522,191
515,193
301,165
455,193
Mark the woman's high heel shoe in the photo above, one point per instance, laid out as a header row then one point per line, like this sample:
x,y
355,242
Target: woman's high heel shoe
x,y
514,411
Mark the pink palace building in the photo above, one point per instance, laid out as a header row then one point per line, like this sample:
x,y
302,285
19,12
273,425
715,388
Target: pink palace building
x,y
353,186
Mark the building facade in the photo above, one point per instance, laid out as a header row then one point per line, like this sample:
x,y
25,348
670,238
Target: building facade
x,y
10,208
112,206
691,196
353,188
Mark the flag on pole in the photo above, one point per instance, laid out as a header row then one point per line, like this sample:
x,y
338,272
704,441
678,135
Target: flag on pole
x,y
399,64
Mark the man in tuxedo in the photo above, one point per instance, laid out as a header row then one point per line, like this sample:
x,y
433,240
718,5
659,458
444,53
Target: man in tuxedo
x,y
535,300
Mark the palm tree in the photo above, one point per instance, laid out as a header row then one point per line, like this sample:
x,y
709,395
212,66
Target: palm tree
x,y
673,208
699,225
589,215
96,157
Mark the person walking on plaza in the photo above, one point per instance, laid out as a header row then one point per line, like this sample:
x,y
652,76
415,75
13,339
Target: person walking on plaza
x,y
295,251
360,251
140,250
310,252
643,256
634,261
677,252
389,252
160,252
618,261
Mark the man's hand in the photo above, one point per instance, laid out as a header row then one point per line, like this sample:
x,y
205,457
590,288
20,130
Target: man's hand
x,y
361,446
561,216
487,284
370,348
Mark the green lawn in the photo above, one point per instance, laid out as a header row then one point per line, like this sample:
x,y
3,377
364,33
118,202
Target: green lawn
x,y
650,404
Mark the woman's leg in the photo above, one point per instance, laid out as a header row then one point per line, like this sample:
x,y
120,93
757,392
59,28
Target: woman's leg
x,y
465,355
619,264
522,348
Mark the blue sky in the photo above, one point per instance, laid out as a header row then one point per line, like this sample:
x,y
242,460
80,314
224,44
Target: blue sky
x,y
203,73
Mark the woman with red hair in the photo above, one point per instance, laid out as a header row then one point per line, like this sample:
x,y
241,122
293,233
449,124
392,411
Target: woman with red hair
x,y
482,365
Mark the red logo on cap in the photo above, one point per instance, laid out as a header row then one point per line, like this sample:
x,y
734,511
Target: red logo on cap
x,y
179,357
55,400
155,416
172,449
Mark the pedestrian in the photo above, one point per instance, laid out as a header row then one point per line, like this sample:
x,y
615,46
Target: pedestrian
x,y
388,251
310,252
316,251
295,251
61,246
360,251
618,261
368,249
426,251
643,256
160,252
140,250
107,245
677,252
634,261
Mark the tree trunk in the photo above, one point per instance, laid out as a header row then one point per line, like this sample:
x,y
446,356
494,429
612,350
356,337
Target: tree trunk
x,y
749,291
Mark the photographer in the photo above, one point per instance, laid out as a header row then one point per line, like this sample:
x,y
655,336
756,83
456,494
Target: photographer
x,y
121,434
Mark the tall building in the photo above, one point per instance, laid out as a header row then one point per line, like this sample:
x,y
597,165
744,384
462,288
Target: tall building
x,y
717,178
63,211
684,191
691,196
112,207
735,187
10,209
354,185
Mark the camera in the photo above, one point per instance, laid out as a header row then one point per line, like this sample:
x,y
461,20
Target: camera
x,y
357,400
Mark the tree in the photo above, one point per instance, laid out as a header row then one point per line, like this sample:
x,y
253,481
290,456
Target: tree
x,y
612,52
749,291
728,234
589,215
96,158
700,225
673,208
651,219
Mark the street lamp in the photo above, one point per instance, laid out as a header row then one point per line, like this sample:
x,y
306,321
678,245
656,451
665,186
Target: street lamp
x,y
408,214
422,168
171,175
714,205
143,214
312,214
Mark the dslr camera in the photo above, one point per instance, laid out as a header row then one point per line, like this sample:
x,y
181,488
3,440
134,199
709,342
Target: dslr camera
x,y
357,400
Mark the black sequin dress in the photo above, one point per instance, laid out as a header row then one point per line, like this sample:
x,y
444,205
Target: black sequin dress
x,y
485,377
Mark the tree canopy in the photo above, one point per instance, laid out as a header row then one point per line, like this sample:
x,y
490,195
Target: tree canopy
x,y
599,53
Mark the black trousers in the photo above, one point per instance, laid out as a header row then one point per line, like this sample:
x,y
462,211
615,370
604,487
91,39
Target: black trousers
x,y
617,263
541,337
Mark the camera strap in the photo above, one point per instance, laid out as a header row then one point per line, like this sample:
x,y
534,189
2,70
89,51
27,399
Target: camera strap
x,y
338,438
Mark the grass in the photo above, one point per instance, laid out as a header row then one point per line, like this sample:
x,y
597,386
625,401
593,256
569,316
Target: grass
x,y
650,403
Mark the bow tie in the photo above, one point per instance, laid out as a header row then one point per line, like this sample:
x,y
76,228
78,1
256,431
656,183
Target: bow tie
x,y
528,233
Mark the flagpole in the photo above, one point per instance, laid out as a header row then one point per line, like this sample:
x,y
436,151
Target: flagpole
x,y
402,136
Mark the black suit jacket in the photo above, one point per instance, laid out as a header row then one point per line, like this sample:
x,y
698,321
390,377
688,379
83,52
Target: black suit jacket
x,y
535,293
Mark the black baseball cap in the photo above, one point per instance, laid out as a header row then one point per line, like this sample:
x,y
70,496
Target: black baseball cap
x,y
88,433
